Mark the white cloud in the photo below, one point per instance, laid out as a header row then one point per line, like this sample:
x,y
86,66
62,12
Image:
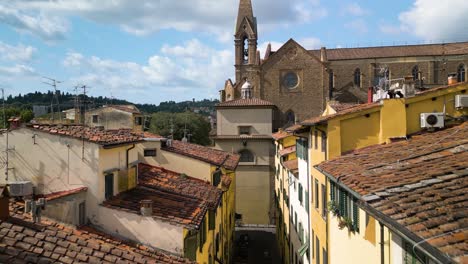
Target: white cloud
x,y
354,9
16,53
436,20
310,43
177,72
17,70
46,26
47,19
357,25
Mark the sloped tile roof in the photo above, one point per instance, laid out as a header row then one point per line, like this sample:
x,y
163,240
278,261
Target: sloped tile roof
x,y
126,108
65,193
161,179
395,51
92,134
421,184
281,135
177,198
22,241
355,109
242,137
206,154
342,106
254,102
291,165
287,150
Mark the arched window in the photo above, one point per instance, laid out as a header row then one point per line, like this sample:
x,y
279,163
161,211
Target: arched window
x,y
246,156
461,73
245,50
415,73
290,117
357,77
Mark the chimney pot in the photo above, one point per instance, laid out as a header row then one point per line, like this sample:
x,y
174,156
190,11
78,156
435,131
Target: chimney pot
x,y
146,208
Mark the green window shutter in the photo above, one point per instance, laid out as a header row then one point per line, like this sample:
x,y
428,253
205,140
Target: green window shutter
x,y
342,202
211,220
190,246
355,216
300,193
307,201
216,178
332,191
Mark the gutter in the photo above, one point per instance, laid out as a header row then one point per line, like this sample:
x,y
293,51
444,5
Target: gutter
x,y
128,150
394,226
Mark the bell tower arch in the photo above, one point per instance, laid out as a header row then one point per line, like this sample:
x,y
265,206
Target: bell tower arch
x,y
245,40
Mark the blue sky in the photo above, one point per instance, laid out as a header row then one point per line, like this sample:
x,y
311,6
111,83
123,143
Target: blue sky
x,y
150,51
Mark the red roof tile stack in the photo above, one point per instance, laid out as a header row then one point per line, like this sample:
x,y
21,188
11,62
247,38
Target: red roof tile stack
x,y
255,102
177,198
206,154
22,241
420,184
92,134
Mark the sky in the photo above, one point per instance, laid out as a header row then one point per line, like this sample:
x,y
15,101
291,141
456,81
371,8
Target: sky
x,y
149,51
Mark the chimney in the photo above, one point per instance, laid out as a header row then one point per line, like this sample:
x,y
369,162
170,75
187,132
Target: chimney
x,y
15,122
4,203
452,79
323,54
370,94
409,87
146,207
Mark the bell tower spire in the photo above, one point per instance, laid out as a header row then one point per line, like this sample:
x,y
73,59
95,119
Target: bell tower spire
x,y
245,38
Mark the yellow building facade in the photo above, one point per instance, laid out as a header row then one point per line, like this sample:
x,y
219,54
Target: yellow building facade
x,y
336,133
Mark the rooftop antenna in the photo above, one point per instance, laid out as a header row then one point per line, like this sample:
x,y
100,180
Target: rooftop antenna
x,y
171,129
53,83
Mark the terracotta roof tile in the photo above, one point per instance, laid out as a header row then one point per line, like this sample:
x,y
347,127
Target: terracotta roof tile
x,y
206,154
126,108
287,150
51,242
355,109
421,184
338,107
281,135
61,194
92,134
395,51
242,137
291,165
245,103
177,198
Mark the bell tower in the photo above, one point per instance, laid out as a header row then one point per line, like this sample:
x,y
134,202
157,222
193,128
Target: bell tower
x,y
245,40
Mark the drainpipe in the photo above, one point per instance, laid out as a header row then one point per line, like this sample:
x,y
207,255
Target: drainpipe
x,y
128,150
382,245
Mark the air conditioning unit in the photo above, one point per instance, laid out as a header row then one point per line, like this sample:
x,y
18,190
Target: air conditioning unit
x,y
21,188
461,101
432,120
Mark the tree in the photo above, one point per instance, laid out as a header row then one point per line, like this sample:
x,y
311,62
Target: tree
x,y
197,126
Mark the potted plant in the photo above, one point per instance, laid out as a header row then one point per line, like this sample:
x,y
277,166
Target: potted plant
x,y
333,208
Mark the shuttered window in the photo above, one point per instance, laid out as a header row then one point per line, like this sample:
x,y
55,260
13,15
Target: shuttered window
x,y
211,220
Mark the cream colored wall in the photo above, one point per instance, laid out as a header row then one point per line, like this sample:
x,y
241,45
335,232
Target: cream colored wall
x,y
348,247
175,162
146,230
65,210
253,199
261,149
228,121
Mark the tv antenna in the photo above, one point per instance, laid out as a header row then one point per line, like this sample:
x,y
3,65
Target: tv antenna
x,y
53,82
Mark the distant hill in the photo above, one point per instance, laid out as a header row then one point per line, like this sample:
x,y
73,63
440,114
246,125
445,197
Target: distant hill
x,y
67,101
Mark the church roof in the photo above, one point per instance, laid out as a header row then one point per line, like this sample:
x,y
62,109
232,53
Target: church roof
x,y
395,51
245,103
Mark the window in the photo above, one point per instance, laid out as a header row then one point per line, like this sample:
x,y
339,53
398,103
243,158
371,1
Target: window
x,y
301,148
109,186
95,119
357,77
82,214
415,73
244,130
290,117
300,193
216,177
325,256
411,256
461,73
211,219
315,139
202,235
317,250
324,201
149,152
307,201
316,194
312,241
138,120
324,142
331,80
295,220
246,156
347,206
245,50
290,80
